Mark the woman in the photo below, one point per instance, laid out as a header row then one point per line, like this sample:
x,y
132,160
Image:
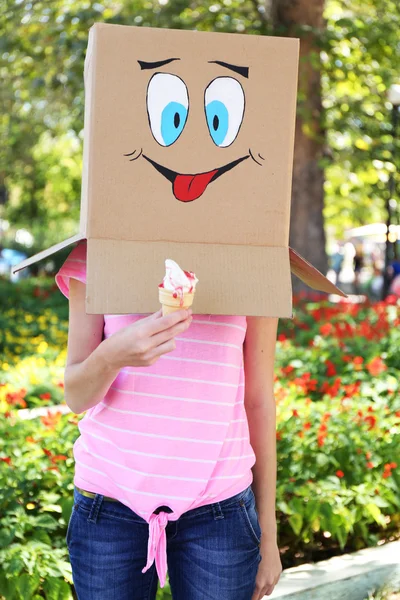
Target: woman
x,y
169,445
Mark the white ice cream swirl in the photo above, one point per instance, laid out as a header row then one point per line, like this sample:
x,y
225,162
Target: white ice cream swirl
x,y
177,280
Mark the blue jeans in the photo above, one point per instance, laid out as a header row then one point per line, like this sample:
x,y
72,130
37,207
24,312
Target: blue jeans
x,y
213,551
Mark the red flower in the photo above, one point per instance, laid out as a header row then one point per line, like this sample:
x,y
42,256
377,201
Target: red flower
x,y
352,389
282,337
368,455
306,383
278,435
326,329
51,420
370,465
376,366
339,473
47,452
393,465
331,390
57,457
307,425
330,370
391,299
358,361
45,396
15,398
371,420
287,370
295,412
6,459
30,439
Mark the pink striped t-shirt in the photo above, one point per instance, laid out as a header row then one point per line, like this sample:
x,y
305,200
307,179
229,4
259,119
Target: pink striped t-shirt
x,y
172,434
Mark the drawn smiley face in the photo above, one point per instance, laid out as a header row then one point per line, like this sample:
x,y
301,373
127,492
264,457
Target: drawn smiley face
x,y
168,110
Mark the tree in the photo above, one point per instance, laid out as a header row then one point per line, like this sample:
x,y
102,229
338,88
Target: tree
x,y
349,57
304,19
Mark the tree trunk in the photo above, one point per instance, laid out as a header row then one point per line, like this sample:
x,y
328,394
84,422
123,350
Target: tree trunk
x,y
295,18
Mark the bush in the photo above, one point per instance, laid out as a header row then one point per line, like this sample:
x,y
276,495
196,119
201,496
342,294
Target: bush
x,y
338,409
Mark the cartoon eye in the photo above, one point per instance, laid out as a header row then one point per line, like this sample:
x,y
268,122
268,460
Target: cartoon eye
x,y
167,107
224,106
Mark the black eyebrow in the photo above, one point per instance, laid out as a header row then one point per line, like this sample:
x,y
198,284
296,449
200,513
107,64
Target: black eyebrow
x,y
155,65
241,70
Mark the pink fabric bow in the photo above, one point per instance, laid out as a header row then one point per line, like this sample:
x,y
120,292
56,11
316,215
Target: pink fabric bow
x,y
157,545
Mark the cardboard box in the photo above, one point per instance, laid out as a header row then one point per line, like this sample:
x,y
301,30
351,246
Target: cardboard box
x,y
188,153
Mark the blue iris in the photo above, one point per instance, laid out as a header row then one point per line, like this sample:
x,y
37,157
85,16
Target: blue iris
x,y
173,120
217,120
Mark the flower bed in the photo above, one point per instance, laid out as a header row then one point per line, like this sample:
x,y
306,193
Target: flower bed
x,y
338,410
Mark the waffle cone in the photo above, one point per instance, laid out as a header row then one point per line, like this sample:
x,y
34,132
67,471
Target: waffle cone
x,y
170,304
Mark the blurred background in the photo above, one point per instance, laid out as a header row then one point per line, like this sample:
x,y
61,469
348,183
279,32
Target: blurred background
x,y
345,208
337,376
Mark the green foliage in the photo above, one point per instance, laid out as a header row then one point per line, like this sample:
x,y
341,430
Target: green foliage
x,y
338,437
360,59
35,504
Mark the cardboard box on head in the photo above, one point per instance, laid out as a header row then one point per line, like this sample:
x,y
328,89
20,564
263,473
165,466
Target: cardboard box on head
x,y
188,152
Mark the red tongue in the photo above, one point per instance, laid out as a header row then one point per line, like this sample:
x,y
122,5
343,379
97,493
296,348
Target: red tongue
x,y
190,187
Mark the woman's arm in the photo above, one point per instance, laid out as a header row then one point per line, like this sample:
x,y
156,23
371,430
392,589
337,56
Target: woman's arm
x,y
94,363
87,374
259,358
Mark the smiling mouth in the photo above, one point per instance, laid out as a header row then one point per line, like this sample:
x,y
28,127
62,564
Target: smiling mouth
x,y
187,188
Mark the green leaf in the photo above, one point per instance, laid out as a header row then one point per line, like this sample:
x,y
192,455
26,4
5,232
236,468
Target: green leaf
x,y
7,587
57,589
51,508
42,536
375,513
27,585
15,566
46,521
284,507
296,522
66,504
6,537
322,459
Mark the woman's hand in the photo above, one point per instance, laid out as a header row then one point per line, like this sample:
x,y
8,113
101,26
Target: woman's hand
x,y
269,569
142,343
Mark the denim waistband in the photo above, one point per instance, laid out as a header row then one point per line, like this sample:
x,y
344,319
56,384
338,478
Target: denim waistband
x,y
118,506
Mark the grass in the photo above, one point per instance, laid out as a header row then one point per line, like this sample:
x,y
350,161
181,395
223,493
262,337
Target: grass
x,y
385,593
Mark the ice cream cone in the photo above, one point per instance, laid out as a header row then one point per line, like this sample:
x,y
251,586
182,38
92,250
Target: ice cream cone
x,y
170,303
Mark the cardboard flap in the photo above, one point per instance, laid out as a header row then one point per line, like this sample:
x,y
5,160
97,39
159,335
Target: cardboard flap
x,y
46,253
311,276
229,283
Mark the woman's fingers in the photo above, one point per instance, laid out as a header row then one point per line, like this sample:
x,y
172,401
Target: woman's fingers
x,y
160,323
161,349
172,332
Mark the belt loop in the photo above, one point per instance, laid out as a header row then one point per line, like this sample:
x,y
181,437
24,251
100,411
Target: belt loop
x,y
95,508
217,511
